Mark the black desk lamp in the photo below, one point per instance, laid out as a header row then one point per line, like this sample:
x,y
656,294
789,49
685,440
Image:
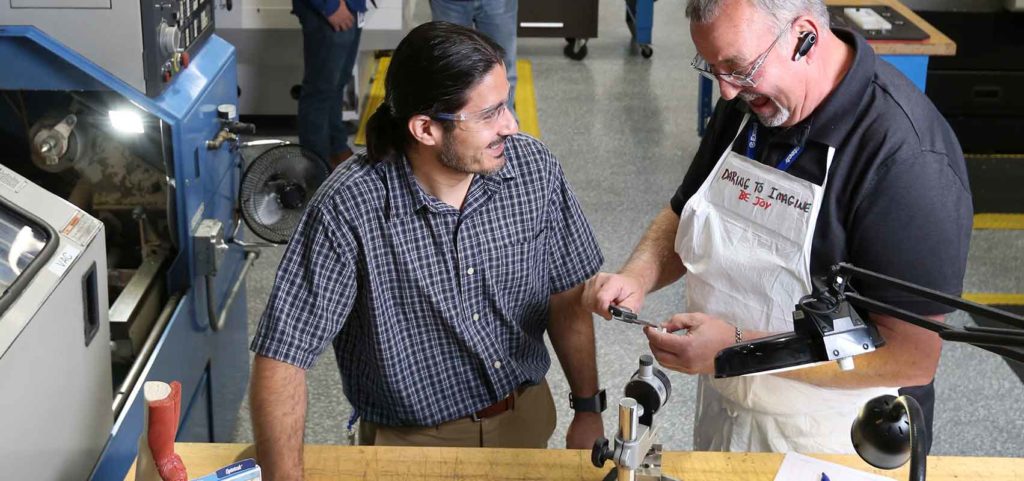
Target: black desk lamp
x,y
889,429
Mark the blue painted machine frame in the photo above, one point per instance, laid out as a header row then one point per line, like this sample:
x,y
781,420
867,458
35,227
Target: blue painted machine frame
x,y
211,366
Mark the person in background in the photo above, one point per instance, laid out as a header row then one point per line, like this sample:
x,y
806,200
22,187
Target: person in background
x,y
498,19
330,42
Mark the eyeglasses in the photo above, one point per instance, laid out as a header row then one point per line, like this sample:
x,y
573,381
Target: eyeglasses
x,y
476,121
737,77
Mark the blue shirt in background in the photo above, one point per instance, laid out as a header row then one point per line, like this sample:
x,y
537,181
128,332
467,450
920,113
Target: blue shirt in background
x,y
327,7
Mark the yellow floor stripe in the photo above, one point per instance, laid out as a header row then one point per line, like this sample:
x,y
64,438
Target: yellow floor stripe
x,y
999,221
374,99
526,100
994,156
995,298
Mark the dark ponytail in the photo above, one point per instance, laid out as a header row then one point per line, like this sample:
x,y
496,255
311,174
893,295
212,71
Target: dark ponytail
x,y
431,71
384,134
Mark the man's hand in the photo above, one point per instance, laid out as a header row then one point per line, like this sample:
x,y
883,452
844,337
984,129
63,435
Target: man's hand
x,y
694,352
583,430
341,19
605,289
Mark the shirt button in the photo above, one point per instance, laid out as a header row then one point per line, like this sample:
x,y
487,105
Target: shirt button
x,y
470,271
497,364
476,317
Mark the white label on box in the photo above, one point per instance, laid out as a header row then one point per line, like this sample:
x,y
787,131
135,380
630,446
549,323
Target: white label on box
x,y
81,228
64,259
11,180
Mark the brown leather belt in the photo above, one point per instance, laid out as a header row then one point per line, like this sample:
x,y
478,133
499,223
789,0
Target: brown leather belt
x,y
495,409
499,407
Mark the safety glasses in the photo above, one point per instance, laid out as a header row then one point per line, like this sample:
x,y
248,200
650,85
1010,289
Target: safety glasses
x,y
474,122
743,77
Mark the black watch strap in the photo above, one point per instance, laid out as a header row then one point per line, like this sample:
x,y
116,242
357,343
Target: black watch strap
x,y
594,404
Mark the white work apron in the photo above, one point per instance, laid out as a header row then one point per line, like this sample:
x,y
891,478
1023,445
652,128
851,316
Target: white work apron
x,y
745,239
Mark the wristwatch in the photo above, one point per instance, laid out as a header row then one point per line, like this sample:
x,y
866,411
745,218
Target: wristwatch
x,y
593,404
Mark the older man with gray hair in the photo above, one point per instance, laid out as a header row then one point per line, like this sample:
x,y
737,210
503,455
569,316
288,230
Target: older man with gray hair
x,y
818,152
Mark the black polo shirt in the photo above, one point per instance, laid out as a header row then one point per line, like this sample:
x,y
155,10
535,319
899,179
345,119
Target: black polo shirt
x,y
897,201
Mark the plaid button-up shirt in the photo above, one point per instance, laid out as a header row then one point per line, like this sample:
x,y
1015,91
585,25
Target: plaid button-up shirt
x,y
434,312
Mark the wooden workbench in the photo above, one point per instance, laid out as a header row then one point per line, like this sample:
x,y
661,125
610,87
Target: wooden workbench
x,y
937,44
327,462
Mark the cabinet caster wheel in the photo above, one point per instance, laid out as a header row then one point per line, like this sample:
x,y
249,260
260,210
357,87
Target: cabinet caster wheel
x,y
577,49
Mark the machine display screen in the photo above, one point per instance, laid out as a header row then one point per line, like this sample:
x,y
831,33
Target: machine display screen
x,y
20,244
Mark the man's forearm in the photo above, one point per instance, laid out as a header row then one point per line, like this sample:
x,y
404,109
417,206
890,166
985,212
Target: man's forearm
x,y
909,358
278,407
571,330
654,261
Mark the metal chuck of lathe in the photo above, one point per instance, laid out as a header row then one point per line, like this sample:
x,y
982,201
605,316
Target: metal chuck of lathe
x,y
636,456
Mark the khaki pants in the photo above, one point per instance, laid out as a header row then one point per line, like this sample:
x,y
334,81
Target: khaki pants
x,y
528,424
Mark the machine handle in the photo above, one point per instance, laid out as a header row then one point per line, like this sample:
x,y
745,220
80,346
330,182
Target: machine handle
x,y
217,321
90,297
240,127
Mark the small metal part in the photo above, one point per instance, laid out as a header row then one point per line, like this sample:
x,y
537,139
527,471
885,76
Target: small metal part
x,y
629,416
625,314
223,136
209,246
227,112
52,143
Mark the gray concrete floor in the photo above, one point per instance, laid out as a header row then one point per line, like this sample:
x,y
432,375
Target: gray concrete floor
x,y
624,129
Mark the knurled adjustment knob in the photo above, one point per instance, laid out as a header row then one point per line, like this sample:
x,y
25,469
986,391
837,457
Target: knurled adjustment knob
x,y
169,38
227,112
601,452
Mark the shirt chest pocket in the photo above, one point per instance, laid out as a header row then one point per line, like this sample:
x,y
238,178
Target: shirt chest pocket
x,y
518,270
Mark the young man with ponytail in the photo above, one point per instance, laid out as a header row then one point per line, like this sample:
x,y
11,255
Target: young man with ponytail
x,y
434,264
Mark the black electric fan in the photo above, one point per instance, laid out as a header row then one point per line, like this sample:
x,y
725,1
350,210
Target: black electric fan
x,y
276,188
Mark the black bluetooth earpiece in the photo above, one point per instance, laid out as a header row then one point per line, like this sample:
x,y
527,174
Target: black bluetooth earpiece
x,y
807,40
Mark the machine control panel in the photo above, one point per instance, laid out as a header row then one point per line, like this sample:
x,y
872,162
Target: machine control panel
x,y
145,43
173,32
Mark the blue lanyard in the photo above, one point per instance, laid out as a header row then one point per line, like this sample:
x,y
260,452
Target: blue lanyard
x,y
785,164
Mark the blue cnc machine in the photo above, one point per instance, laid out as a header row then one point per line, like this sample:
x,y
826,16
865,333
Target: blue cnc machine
x,y
115,116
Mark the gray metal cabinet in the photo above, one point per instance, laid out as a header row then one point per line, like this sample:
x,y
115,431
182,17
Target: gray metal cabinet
x,y
574,20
